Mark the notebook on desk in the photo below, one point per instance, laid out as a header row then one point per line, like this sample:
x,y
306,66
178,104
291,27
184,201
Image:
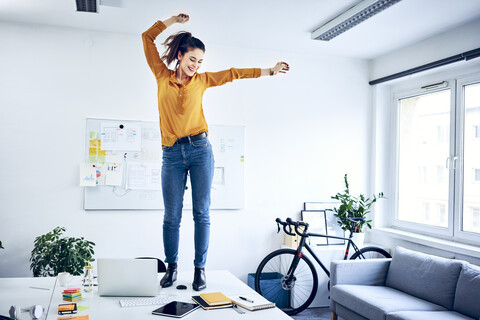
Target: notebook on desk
x,y
127,277
252,302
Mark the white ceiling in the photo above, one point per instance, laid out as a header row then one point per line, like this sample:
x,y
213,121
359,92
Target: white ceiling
x,y
283,25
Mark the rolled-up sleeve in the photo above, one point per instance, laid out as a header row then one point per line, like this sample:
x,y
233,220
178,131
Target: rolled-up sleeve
x,y
213,79
154,61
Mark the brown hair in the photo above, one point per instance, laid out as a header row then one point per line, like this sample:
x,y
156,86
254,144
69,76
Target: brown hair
x,y
182,41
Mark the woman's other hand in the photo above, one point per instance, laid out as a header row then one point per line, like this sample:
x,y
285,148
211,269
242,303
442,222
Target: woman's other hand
x,y
280,67
181,18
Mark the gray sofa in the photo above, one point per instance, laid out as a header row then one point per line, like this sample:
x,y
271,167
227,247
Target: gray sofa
x,y
409,286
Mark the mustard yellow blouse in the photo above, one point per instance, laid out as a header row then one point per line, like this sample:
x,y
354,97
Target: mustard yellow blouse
x,y
180,104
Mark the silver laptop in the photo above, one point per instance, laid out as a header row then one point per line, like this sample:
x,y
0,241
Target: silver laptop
x,y
127,277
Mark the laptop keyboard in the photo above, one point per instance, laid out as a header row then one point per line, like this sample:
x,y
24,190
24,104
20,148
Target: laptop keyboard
x,y
137,302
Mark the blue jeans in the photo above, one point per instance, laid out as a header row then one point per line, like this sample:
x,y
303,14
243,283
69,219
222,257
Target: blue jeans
x,y
178,160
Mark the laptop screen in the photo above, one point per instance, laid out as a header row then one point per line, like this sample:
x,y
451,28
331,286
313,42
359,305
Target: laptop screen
x,y
127,277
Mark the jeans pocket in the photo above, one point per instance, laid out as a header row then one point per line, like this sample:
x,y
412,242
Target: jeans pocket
x,y
200,143
166,148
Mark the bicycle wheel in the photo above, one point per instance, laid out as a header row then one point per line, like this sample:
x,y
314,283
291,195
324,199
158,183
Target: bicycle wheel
x,y
292,293
371,253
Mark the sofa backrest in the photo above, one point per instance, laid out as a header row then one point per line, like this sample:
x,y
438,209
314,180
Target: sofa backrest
x,y
468,291
425,276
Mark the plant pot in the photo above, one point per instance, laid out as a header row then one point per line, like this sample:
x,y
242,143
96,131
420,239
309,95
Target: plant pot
x,y
359,238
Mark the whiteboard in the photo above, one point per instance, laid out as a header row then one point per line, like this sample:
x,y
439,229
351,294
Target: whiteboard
x,y
228,143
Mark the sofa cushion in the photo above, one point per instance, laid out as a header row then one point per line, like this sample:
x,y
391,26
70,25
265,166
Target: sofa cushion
x,y
375,302
468,291
427,315
428,277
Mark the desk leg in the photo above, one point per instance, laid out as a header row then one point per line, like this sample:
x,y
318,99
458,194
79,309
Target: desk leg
x,y
334,316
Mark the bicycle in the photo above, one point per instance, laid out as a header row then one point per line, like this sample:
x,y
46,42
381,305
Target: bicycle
x,y
293,278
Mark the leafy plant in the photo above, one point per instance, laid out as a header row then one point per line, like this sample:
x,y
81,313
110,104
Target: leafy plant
x,y
53,253
353,207
1,246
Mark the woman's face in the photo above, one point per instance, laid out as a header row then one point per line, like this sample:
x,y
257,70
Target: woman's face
x,y
191,61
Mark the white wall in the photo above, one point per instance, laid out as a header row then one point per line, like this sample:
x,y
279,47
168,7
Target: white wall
x,y
455,41
444,45
304,131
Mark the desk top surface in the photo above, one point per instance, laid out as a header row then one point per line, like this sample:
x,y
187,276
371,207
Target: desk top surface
x,y
19,291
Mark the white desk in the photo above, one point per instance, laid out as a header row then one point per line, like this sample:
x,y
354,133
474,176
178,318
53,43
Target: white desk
x,y
25,292
102,308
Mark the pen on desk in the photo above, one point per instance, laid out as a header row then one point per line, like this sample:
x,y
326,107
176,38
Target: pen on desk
x,y
40,288
248,300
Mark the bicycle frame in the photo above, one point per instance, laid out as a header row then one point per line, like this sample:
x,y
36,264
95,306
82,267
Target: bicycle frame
x,y
303,243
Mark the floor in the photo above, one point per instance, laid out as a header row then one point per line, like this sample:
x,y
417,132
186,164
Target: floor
x,y
314,313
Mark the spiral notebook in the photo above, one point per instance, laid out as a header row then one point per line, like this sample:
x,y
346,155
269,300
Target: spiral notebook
x,y
258,303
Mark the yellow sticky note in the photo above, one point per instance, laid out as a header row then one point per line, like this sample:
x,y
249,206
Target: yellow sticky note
x,y
92,151
94,143
101,152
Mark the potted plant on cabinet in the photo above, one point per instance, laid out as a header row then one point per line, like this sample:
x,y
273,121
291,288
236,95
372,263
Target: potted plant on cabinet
x,y
53,253
354,207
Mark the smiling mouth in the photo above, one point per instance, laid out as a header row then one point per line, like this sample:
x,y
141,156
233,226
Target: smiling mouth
x,y
191,69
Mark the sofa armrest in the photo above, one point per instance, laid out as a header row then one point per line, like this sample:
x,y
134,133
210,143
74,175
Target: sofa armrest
x,y
371,272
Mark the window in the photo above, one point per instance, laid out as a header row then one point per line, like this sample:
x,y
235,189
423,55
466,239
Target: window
x,y
476,175
438,159
472,219
476,131
471,155
419,147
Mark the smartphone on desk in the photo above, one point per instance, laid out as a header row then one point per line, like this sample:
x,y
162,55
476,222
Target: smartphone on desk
x,y
176,309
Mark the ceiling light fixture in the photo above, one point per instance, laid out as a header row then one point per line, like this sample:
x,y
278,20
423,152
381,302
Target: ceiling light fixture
x,y
87,6
350,18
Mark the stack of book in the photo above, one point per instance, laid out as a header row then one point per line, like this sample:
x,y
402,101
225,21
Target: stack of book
x,y
72,295
213,300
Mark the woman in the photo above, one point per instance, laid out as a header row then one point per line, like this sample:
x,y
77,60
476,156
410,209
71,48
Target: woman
x,y
184,130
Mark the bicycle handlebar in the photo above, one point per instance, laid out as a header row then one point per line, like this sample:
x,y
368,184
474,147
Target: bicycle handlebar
x,y
289,223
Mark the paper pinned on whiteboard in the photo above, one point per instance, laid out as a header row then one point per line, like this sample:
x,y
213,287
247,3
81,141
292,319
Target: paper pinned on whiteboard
x,y
88,175
144,176
118,135
114,174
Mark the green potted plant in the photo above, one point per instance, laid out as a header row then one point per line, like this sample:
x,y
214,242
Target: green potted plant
x,y
53,253
353,206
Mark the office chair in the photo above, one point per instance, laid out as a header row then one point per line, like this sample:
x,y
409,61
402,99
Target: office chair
x,y
161,266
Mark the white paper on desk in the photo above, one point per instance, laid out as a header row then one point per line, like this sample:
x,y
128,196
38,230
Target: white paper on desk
x,y
144,175
114,174
119,135
88,175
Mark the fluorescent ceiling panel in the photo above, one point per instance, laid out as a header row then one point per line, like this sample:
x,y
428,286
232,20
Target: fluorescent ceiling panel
x,y
350,18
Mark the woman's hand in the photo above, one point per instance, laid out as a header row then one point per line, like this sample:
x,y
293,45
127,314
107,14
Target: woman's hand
x,y
181,18
280,67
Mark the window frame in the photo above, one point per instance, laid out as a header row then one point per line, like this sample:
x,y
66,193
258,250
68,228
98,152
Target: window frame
x,y
459,234
415,89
